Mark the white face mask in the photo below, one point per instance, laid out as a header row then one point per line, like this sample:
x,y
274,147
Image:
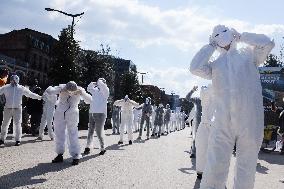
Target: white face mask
x,y
222,35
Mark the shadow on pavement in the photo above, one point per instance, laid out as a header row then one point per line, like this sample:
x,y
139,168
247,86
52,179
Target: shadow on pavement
x,y
116,147
261,169
25,177
272,158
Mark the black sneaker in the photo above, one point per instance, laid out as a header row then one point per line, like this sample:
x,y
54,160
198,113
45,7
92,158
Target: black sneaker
x,y
159,136
18,143
130,142
102,152
152,135
1,142
192,156
119,142
147,138
87,151
162,134
75,162
58,159
199,176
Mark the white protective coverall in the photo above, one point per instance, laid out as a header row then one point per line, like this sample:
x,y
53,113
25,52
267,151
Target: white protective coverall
x,y
127,106
239,116
47,114
66,116
203,131
13,107
137,118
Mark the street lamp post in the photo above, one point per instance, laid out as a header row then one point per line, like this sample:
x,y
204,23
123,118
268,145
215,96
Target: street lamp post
x,y
67,14
142,74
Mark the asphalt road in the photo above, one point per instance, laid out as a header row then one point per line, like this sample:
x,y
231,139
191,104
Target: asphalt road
x,y
157,163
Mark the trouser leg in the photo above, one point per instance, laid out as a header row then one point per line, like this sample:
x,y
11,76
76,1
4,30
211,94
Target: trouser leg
x,y
7,116
59,130
74,146
91,130
17,121
247,148
122,128
220,147
129,130
99,119
42,125
141,126
148,126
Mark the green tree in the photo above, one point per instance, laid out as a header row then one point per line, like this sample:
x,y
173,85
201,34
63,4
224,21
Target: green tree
x,y
65,66
97,64
273,61
129,85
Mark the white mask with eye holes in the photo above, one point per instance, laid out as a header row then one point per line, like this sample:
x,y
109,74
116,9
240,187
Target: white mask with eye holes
x,y
222,35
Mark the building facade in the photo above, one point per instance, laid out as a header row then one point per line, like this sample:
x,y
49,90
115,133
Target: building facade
x,y
28,53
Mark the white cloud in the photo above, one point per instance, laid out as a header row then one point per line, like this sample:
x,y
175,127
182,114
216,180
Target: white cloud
x,y
137,29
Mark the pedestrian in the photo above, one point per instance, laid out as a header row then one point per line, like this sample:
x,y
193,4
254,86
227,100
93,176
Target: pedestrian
x,y
197,104
34,109
49,102
97,113
127,106
238,101
14,93
159,117
203,130
146,114
167,118
66,117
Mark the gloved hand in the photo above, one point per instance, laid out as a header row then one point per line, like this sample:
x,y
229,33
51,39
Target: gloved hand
x,y
212,41
236,34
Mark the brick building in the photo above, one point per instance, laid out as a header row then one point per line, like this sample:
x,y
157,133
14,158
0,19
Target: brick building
x,y
27,53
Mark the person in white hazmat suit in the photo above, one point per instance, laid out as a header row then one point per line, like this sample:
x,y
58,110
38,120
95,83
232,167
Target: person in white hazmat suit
x,y
47,115
203,131
14,93
137,118
167,118
239,116
127,106
66,117
97,113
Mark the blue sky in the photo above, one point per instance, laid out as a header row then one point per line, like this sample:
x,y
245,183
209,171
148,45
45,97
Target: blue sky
x,y
159,36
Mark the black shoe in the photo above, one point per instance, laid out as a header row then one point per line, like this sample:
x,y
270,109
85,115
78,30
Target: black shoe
x,y
162,134
119,142
87,151
147,138
130,142
1,142
159,136
102,152
144,129
199,176
18,143
192,156
75,162
58,159
152,135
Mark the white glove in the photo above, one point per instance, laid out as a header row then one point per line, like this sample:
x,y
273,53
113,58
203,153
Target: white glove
x,y
212,41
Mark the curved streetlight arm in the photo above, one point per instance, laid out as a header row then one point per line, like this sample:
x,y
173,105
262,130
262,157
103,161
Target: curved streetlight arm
x,y
72,15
